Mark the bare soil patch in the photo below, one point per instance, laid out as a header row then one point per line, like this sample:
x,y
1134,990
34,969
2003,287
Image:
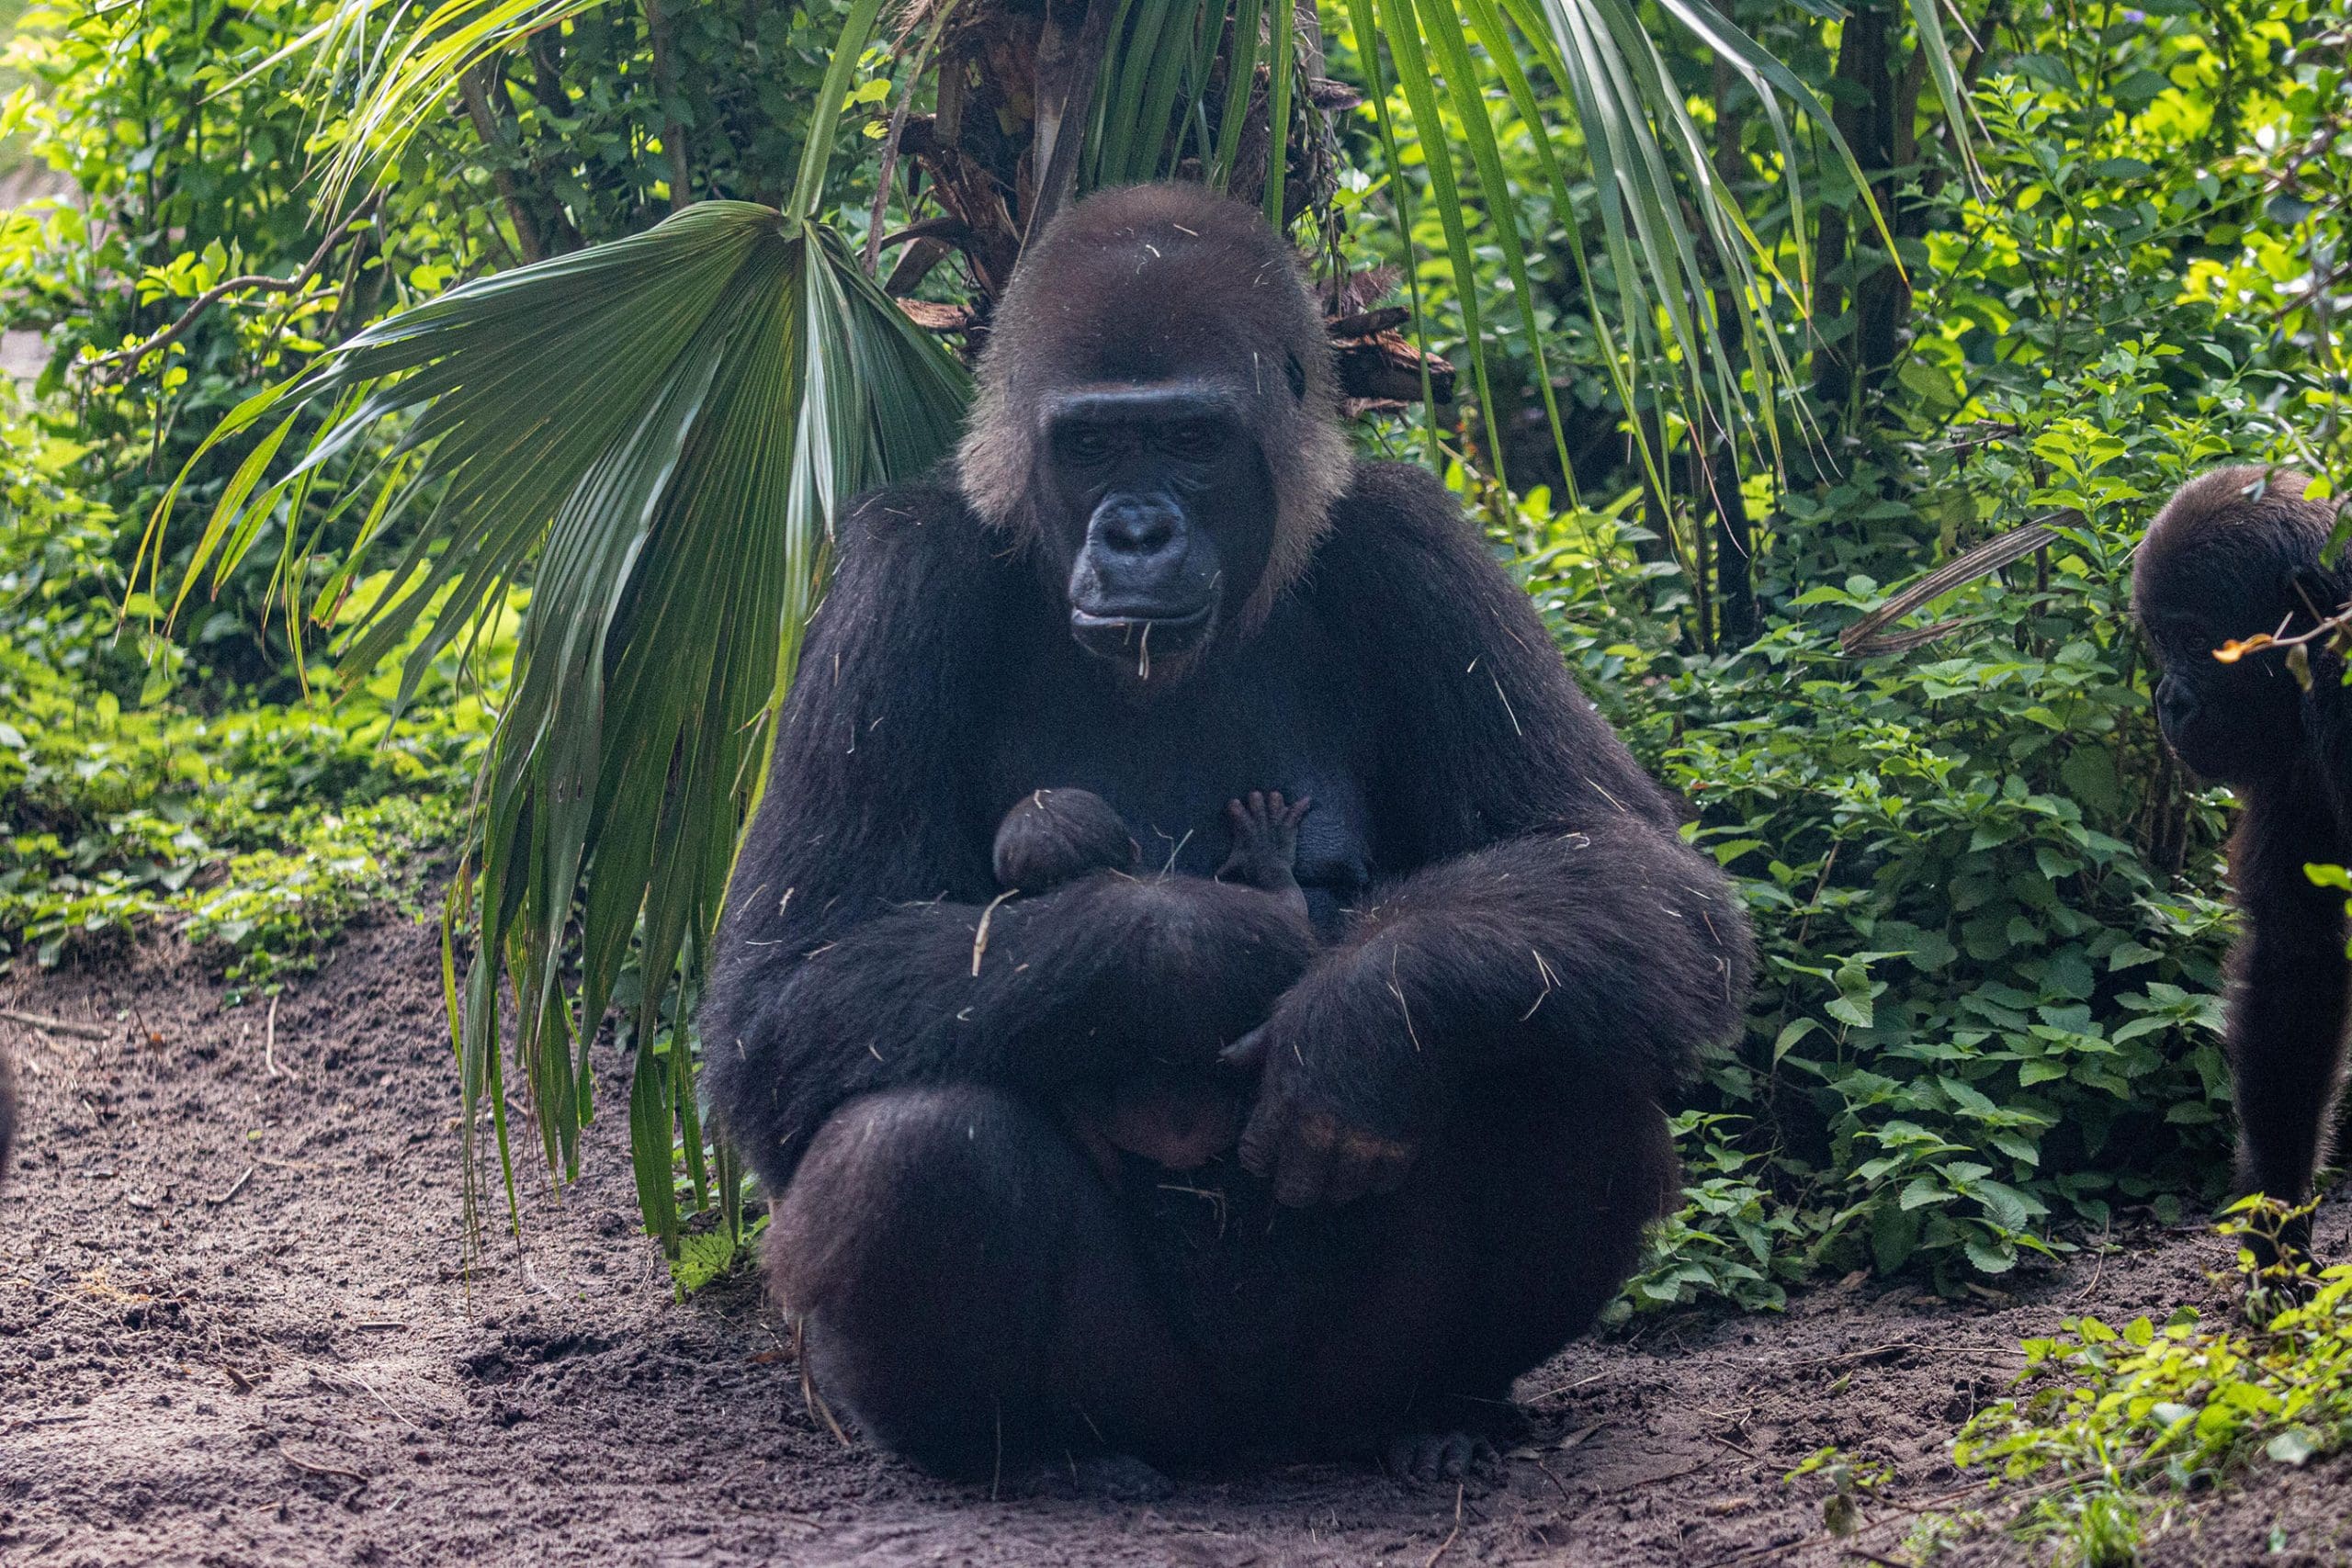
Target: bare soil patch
x,y
234,1330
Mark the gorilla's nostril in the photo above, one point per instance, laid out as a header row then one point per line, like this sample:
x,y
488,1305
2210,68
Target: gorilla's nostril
x,y
1135,529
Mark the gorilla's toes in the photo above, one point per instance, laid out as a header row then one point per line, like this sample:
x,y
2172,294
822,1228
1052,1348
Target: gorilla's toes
x,y
1440,1456
1112,1478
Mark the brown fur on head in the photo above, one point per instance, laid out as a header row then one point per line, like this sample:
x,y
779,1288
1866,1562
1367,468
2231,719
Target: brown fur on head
x,y
1151,283
2235,552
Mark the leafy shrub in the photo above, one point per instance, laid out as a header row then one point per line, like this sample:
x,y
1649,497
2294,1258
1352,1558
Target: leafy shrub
x,y
1987,904
2113,1428
262,829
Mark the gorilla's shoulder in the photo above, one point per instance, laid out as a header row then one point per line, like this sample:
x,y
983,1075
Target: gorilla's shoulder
x,y
923,518
1394,529
1387,495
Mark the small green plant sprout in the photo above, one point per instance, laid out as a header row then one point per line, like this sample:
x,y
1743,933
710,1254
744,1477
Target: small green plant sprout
x,y
1851,1476
2273,1256
2111,1429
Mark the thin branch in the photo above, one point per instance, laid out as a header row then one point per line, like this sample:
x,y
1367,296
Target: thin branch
x,y
873,240
1860,639
261,282
473,97
665,82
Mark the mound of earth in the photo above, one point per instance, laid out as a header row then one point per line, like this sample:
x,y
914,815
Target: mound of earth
x,y
235,1329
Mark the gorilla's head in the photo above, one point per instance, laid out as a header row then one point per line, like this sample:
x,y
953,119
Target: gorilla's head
x,y
1157,415
2234,552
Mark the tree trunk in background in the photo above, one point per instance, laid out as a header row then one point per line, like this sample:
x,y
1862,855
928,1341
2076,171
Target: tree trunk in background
x,y
1864,114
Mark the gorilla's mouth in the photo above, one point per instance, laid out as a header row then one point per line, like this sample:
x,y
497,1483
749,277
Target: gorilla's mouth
x,y
1138,635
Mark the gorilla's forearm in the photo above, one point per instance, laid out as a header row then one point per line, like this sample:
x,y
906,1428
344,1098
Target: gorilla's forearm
x,y
1034,992
1615,946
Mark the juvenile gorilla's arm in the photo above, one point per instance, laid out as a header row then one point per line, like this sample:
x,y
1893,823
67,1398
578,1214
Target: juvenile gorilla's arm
x,y
862,946
1556,915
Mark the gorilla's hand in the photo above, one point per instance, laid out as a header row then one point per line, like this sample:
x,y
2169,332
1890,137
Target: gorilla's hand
x,y
1345,1094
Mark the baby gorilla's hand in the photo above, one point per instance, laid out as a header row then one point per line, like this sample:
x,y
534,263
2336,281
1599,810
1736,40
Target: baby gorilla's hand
x,y
1265,840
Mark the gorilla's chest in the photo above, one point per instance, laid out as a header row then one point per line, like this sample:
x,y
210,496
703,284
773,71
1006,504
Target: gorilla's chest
x,y
1289,717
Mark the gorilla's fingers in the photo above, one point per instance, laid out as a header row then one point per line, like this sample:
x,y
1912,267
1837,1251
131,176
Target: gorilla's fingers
x,y
1432,1456
1350,1179
1392,1164
1310,1156
1264,1137
1367,1165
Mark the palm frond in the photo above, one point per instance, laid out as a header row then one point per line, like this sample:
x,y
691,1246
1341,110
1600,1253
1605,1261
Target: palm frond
x,y
659,432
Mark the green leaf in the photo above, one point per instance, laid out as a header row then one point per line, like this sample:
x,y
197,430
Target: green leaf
x,y
2293,1446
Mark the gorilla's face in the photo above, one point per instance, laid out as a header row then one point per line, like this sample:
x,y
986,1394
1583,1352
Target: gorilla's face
x,y
1159,508
2231,724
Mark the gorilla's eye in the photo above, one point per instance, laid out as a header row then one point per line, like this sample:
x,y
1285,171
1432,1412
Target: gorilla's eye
x,y
1194,438
1085,444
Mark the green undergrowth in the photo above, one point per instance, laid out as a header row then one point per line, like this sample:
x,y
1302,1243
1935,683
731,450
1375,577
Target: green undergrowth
x,y
136,789
257,832
2112,1431
1988,910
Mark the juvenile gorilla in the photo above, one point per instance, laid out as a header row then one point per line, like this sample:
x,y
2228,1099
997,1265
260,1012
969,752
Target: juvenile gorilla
x,y
1156,574
1173,1116
2235,552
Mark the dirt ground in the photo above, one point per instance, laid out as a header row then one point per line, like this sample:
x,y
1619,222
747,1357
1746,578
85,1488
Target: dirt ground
x,y
234,1330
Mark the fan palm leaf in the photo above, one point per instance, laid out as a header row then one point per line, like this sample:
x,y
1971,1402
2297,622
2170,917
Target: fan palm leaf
x,y
659,432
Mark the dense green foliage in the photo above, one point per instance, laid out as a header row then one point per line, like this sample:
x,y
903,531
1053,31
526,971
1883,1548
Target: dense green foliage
x,y
255,829
2111,1429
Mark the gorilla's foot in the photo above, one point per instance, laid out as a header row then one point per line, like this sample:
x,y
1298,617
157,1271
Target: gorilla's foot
x,y
1111,1478
1429,1456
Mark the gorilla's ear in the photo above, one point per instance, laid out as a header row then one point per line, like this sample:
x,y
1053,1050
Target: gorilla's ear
x,y
1295,374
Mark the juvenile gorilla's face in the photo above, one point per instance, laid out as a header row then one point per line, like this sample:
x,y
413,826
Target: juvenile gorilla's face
x,y
2230,724
1160,510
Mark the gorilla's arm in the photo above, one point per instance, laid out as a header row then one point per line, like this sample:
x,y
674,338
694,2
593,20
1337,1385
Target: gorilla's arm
x,y
1556,916
2289,978
863,945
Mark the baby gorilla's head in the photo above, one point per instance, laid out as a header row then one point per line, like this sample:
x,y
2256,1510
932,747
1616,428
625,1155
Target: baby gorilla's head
x,y
1052,836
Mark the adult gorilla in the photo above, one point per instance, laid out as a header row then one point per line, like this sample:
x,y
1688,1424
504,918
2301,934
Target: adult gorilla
x,y
1158,575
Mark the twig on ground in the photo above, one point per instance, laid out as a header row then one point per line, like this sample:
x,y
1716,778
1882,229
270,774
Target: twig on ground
x,y
308,1468
2105,1231
1565,1387
57,1025
236,1188
269,1041
1654,1479
1446,1545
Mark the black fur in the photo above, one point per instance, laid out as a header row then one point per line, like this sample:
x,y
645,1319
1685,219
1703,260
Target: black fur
x,y
2235,552
1457,1135
1053,836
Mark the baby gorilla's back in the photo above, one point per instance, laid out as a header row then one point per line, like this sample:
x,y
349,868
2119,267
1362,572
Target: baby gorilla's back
x,y
1180,1115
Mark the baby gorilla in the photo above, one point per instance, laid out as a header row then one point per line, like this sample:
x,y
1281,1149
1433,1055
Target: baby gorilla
x,y
1176,1118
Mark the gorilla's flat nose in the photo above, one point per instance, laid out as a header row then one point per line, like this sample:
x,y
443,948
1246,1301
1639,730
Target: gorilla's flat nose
x,y
1135,526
